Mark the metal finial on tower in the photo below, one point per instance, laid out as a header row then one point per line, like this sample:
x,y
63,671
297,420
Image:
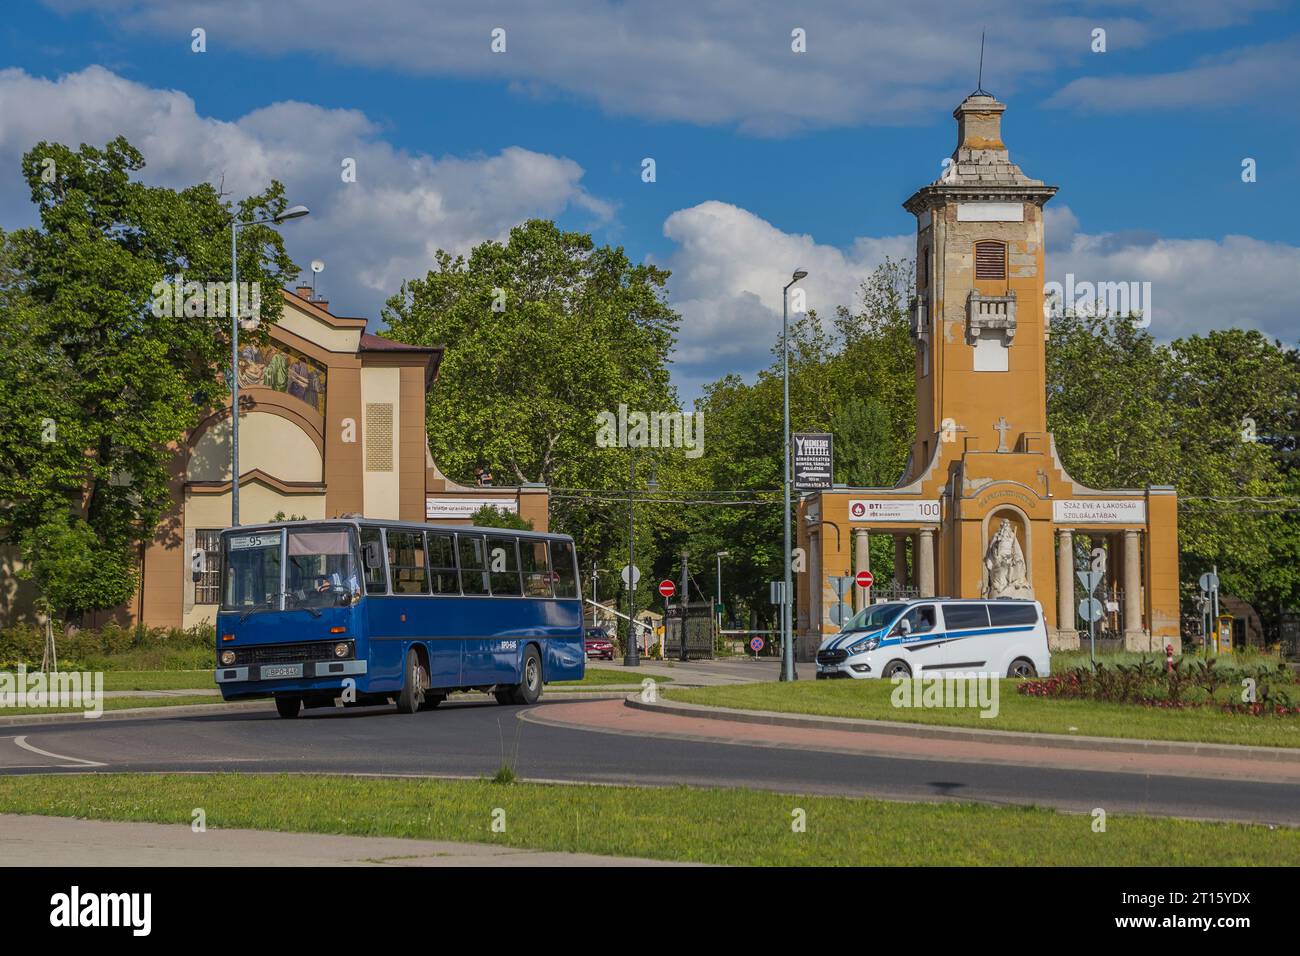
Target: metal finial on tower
x,y
979,83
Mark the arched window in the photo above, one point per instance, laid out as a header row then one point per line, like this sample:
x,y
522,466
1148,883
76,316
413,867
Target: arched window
x,y
990,259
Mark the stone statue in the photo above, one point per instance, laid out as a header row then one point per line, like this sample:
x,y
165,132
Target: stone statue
x,y
1007,575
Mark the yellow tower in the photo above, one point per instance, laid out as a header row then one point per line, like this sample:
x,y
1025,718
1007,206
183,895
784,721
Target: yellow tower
x,y
986,508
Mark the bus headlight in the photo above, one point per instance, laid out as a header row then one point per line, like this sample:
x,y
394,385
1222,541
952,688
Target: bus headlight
x,y
341,649
227,658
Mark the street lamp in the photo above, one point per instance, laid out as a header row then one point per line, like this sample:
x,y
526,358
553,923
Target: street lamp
x,y
293,212
720,555
787,628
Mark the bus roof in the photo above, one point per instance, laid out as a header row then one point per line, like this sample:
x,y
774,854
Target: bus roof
x,y
385,523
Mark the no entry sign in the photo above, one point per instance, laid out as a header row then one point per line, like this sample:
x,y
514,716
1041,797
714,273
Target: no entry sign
x,y
667,588
864,579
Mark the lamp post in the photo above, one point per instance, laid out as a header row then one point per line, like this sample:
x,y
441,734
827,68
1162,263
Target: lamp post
x,y
293,212
720,555
787,628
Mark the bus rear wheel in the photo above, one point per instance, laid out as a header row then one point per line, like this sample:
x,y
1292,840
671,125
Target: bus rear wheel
x,y
530,688
287,706
414,684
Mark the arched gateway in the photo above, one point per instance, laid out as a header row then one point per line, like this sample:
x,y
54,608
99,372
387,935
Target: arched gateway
x,y
985,507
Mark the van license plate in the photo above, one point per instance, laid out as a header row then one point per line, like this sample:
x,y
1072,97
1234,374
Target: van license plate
x,y
271,672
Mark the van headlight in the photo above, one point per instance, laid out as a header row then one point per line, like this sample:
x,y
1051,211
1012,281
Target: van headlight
x,y
870,644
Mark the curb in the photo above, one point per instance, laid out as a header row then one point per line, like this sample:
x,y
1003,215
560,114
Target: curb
x,y
199,710
134,713
900,729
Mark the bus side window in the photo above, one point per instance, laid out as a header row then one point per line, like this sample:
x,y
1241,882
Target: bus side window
x,y
564,571
535,561
473,564
442,563
503,562
406,558
372,561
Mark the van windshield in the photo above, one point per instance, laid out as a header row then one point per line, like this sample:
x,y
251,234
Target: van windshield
x,y
874,616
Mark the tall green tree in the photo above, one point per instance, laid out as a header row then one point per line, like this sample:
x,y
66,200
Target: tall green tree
x,y
95,387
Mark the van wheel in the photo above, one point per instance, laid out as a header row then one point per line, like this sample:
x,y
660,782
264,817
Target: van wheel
x,y
530,689
413,684
1022,667
897,669
287,706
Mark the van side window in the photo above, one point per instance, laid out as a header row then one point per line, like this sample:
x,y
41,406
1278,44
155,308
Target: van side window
x,y
442,563
920,618
1004,615
503,565
473,564
535,561
406,559
958,617
564,572
372,561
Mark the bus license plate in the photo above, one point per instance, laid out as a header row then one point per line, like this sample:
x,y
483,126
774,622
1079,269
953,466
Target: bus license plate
x,y
271,672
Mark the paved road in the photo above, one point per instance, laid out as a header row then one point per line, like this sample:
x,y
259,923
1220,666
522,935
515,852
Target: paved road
x,y
470,738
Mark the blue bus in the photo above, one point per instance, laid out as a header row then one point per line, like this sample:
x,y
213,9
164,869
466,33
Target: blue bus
x,y
380,611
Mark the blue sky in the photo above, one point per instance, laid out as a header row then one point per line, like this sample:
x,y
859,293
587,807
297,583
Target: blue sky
x,y
763,155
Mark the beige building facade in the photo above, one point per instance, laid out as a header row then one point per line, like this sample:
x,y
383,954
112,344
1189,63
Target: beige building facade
x,y
986,507
332,423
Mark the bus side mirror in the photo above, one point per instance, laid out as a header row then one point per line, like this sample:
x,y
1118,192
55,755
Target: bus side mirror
x,y
372,556
198,564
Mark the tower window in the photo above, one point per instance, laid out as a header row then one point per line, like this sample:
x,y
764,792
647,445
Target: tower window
x,y
990,260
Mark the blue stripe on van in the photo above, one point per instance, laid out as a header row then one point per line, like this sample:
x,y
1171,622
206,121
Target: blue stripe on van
x,y
958,635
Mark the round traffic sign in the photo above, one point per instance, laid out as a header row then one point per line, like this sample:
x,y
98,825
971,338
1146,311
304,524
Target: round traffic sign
x,y
864,579
1209,581
756,644
1090,609
667,588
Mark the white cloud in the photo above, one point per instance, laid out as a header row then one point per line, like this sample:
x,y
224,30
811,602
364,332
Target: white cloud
x,y
1196,284
1263,75
710,61
729,267
372,234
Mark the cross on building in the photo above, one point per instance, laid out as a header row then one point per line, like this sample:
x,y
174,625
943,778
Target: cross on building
x,y
1001,427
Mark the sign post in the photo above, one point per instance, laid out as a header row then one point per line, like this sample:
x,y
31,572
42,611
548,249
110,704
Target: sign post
x,y
1090,609
813,459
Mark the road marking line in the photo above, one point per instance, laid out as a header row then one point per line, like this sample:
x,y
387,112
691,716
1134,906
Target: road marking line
x,y
22,742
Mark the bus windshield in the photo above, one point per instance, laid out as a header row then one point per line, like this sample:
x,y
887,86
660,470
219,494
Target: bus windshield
x,y
873,616
320,568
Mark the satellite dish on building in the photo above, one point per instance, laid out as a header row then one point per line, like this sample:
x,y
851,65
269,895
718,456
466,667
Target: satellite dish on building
x,y
317,265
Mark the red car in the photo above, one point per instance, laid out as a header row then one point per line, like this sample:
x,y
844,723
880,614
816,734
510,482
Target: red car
x,y
599,645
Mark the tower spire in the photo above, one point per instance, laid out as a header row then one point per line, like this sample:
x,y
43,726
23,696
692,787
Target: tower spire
x,y
979,83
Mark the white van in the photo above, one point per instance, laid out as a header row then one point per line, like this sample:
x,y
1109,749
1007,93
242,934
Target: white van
x,y
928,636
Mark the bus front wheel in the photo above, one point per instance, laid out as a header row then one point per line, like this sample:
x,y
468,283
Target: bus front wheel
x,y
417,679
287,706
529,689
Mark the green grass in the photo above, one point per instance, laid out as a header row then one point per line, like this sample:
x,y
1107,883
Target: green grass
x,y
113,703
740,827
870,700
155,680
600,675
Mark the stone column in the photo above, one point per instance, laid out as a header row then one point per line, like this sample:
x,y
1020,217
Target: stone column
x,y
861,562
1135,637
1067,632
900,560
925,562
